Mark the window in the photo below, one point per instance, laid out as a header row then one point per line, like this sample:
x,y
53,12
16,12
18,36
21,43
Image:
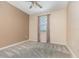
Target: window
x,y
43,23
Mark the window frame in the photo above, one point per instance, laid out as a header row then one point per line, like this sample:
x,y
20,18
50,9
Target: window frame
x,y
48,28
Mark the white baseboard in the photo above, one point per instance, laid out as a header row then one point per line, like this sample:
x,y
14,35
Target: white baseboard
x,y
58,43
13,44
72,53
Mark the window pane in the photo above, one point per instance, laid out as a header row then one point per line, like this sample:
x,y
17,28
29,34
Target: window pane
x,y
43,23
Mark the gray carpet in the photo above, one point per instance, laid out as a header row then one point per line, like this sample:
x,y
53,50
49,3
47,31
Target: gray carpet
x,y
31,49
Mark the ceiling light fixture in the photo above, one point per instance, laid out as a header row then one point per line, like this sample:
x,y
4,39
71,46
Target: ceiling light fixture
x,y
34,4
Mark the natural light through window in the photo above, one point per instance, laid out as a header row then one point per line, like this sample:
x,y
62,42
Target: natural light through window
x,y
43,23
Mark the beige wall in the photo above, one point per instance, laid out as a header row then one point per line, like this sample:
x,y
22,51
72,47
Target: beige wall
x,y
57,26
33,28
43,36
73,27
13,25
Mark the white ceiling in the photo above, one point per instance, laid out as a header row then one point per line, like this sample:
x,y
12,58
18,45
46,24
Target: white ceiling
x,y
47,6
